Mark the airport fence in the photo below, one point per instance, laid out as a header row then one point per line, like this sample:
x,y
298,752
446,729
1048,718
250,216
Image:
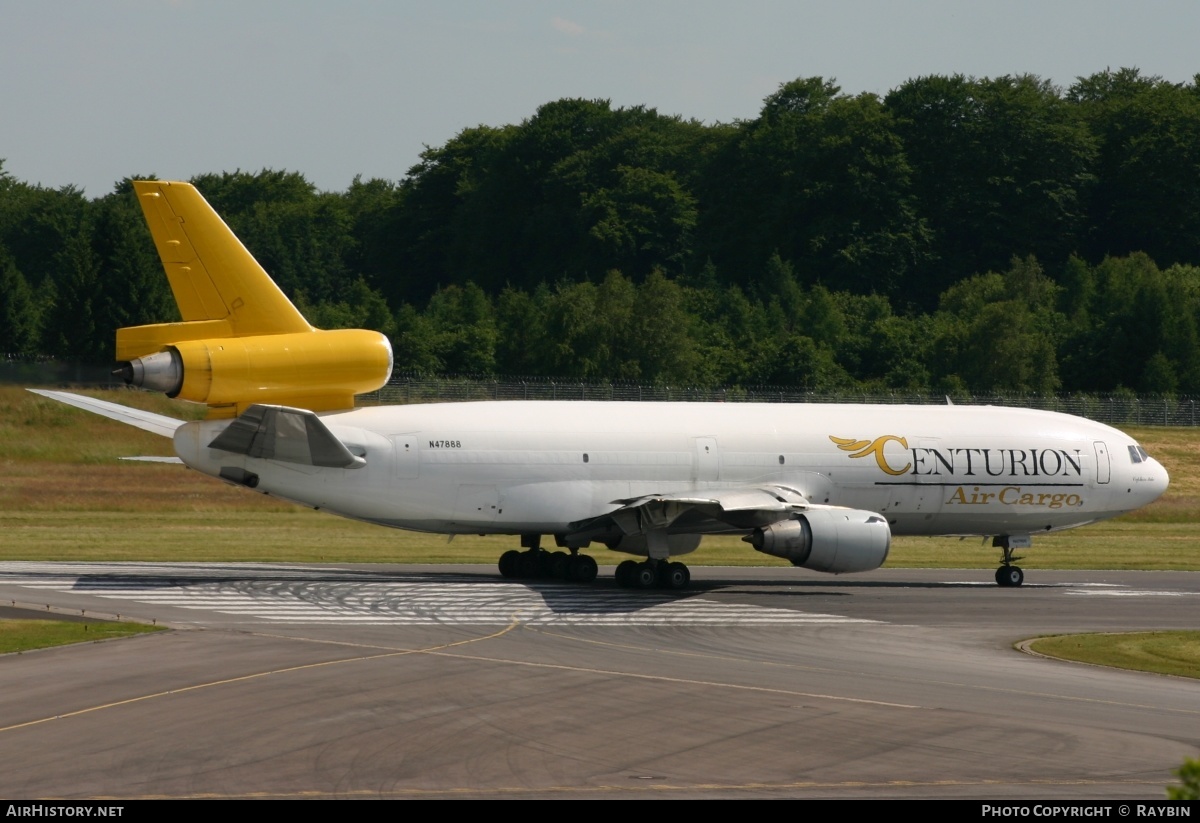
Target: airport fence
x,y
1114,409
1120,408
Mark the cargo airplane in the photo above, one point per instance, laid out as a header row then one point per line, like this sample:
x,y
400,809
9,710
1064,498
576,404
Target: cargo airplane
x,y
823,486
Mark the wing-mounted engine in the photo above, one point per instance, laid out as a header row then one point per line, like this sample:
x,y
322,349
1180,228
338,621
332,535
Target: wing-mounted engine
x,y
827,539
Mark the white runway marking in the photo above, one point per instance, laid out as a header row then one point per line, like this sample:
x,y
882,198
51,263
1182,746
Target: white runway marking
x,y
1129,593
990,584
300,595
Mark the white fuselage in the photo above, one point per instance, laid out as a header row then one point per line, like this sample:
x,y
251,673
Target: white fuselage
x,y
515,467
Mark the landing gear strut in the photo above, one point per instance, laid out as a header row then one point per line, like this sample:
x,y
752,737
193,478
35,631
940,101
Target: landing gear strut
x,y
1010,575
536,563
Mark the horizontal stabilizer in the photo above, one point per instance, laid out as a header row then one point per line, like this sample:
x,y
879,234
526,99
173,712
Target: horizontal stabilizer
x,y
158,424
287,434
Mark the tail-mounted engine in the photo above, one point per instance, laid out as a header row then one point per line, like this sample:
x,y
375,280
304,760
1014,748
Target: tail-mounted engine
x,y
827,540
317,370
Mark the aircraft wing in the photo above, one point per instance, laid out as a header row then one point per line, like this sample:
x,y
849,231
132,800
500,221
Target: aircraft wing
x,y
158,424
712,510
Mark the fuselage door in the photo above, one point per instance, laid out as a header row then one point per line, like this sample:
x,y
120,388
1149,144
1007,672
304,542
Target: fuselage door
x,y
1103,468
708,463
476,504
406,455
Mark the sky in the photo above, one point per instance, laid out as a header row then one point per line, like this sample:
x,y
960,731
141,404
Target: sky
x,y
93,91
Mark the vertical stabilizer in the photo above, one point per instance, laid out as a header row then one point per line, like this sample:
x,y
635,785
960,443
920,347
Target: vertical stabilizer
x,y
241,341
212,274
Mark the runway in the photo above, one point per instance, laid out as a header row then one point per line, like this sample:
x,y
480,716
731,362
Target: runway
x,y
432,682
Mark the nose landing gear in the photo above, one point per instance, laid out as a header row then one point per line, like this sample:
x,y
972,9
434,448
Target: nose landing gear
x,y
1010,575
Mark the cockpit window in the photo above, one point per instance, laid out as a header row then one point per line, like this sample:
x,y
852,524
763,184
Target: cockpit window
x,y
1142,452
1135,454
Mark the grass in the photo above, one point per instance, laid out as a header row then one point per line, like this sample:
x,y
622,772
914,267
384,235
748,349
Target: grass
x,y
65,495
1176,653
24,635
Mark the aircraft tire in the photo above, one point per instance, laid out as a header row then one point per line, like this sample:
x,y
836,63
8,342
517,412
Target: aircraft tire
x,y
530,565
1009,576
625,572
557,565
582,568
644,576
510,563
674,576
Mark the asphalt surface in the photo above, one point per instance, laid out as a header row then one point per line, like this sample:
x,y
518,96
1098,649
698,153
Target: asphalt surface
x,y
438,682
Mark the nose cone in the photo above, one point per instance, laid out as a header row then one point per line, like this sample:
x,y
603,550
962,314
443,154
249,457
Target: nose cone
x,y
1150,482
1162,480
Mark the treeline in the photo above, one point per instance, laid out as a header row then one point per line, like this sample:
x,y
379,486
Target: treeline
x,y
958,233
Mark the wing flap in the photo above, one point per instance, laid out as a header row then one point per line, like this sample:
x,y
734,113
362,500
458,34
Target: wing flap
x,y
711,510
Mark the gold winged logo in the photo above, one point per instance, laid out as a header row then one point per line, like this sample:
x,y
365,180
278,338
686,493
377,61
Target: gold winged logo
x,y
861,448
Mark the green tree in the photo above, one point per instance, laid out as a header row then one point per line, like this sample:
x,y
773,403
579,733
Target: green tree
x,y
132,288
19,314
521,341
644,221
1137,328
372,207
71,328
436,215
356,307
36,226
1000,167
996,332
820,179
463,330
1189,779
659,333
1147,196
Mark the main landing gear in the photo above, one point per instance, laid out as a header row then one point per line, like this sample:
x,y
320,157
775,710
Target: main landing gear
x,y
1010,575
535,563
650,574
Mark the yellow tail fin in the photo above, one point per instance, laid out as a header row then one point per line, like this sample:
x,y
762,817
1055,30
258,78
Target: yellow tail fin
x,y
241,341
217,283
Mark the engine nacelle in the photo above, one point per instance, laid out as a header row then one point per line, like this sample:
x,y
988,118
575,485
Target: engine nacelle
x,y
316,370
828,540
